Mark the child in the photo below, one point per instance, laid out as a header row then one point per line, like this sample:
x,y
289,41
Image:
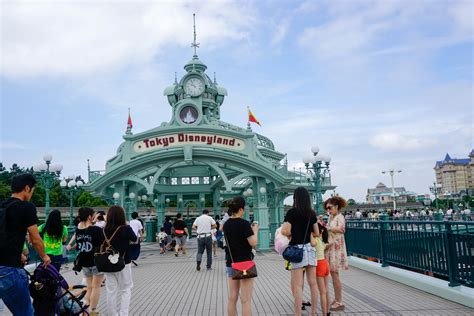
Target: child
x,y
162,238
322,269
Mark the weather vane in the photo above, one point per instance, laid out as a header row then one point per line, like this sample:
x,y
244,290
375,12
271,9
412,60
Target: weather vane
x,y
194,44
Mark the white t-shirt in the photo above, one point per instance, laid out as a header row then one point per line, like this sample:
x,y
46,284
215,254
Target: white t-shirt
x,y
358,214
162,236
100,224
136,227
204,224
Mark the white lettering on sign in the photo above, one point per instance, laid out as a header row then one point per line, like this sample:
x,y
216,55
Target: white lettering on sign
x,y
181,139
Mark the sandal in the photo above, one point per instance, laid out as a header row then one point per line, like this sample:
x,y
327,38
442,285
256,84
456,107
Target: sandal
x,y
336,306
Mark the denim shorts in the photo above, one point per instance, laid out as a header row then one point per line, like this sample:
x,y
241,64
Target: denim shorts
x,y
228,271
91,271
309,257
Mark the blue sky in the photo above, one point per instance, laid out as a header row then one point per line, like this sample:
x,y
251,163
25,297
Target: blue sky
x,y
375,84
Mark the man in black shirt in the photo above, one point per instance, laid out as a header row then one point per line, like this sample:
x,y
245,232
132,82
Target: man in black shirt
x,y
20,218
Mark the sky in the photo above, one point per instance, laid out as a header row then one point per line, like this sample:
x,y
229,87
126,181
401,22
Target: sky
x,y
375,84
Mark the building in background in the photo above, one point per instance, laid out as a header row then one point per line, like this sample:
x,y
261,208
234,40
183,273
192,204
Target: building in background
x,y
382,194
455,176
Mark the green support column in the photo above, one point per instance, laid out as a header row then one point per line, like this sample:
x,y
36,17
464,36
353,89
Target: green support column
x,y
160,211
247,210
216,202
261,214
273,217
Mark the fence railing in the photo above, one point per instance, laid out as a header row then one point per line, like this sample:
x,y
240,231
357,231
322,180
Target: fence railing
x,y
439,248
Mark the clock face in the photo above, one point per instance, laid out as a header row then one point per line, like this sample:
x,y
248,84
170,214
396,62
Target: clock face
x,y
194,87
188,114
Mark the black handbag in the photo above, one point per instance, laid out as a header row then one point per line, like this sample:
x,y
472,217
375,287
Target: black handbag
x,y
108,259
295,253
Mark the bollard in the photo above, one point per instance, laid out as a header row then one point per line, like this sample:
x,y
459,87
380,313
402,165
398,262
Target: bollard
x,y
151,227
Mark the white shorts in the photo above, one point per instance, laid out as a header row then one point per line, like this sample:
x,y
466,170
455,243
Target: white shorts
x,y
309,257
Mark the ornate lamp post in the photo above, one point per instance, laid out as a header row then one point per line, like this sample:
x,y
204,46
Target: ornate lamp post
x,y
392,172
116,197
435,189
317,167
248,195
47,175
128,204
73,187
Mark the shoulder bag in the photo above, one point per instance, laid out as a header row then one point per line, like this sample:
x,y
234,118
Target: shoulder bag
x,y
293,253
108,259
243,269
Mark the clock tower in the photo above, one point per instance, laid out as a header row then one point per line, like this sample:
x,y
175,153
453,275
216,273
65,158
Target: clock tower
x,y
195,99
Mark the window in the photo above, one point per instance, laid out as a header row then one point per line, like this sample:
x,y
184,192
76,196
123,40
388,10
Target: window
x,y
185,180
174,181
206,180
195,180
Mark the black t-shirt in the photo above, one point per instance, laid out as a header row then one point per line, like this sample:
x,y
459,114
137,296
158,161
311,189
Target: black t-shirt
x,y
299,225
167,226
179,224
236,231
19,216
88,242
121,240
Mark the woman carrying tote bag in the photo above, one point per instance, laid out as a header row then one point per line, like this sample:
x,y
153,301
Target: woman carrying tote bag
x,y
240,238
119,234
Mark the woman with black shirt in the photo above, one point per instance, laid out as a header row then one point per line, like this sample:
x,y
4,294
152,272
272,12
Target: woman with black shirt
x,y
119,283
88,240
240,238
300,223
181,234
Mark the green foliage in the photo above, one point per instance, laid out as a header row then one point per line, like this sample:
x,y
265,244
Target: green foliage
x,y
351,202
5,191
87,199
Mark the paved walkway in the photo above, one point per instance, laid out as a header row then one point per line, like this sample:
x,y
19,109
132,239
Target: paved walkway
x,y
166,285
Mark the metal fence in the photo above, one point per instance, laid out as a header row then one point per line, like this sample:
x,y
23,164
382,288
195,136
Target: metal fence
x,y
439,248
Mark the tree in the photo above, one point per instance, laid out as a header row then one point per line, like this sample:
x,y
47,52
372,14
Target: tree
x,y
5,191
351,202
87,199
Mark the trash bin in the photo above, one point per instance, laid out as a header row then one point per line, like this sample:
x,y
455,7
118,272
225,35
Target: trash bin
x,y
150,226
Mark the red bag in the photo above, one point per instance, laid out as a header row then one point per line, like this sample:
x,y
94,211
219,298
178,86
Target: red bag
x,y
244,270
179,232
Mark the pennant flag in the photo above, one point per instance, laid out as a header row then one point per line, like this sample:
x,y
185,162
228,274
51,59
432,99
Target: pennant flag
x,y
252,117
129,121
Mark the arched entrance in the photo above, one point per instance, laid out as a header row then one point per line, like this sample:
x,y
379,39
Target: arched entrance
x,y
197,157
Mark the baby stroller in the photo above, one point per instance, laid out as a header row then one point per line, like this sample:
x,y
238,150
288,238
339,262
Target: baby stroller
x,y
52,296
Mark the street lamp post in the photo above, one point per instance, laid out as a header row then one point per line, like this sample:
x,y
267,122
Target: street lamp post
x,y
116,197
392,172
435,189
317,167
47,175
72,186
128,204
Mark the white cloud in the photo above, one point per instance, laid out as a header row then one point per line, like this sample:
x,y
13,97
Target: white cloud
x,y
393,141
5,145
82,37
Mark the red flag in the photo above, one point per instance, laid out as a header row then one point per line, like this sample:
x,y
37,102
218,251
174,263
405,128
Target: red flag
x,y
129,121
252,118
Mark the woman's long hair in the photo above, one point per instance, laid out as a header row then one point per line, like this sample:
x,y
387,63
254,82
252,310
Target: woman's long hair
x,y
302,202
115,218
54,225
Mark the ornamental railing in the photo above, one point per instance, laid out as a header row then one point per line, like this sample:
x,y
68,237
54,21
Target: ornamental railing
x,y
442,249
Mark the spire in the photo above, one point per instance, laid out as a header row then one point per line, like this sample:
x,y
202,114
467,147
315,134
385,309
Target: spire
x,y
215,81
175,78
194,44
129,124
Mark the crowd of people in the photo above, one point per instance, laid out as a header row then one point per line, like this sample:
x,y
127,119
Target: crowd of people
x,y
321,246
410,214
